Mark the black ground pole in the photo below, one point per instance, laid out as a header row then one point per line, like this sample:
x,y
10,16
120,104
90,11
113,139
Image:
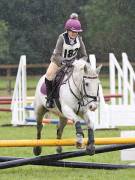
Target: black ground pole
x,y
53,160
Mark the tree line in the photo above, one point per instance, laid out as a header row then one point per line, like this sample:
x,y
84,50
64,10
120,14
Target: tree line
x,y
31,27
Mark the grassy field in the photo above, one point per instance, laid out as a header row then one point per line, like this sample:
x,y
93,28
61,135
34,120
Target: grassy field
x,y
51,173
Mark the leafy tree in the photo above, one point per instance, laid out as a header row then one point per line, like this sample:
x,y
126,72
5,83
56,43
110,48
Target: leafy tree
x,y
4,45
110,26
34,26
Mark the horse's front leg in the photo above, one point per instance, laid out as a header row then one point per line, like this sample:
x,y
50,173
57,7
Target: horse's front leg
x,y
70,114
39,113
90,148
79,135
62,123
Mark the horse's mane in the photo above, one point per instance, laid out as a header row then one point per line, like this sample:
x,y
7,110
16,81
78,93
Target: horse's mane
x,y
81,62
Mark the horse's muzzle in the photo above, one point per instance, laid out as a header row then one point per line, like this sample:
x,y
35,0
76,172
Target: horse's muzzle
x,y
93,106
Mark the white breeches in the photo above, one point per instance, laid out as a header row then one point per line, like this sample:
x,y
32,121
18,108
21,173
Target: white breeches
x,y
51,71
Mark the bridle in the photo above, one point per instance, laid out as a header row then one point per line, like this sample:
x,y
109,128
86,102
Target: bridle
x,y
82,93
89,96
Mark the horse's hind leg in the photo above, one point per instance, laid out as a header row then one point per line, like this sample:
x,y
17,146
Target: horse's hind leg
x,y
60,127
39,116
91,144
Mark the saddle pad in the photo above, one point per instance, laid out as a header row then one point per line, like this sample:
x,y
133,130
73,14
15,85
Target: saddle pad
x,y
43,89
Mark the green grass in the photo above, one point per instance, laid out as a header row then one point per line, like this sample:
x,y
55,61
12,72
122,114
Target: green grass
x,y
51,173
49,131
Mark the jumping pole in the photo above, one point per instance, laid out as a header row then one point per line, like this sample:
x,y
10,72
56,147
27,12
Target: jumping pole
x,y
48,159
64,142
86,165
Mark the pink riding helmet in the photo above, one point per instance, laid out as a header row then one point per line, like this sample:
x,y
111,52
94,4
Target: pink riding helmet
x,y
73,25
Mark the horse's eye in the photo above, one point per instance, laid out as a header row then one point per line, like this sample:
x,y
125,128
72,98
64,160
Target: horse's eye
x,y
86,84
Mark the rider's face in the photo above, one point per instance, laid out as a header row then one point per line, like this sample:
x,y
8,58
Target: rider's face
x,y
72,34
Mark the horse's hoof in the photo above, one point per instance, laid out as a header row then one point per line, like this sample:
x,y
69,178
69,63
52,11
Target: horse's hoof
x,y
59,149
79,145
79,141
90,149
37,150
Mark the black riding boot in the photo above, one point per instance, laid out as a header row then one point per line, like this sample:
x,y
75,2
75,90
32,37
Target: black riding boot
x,y
50,101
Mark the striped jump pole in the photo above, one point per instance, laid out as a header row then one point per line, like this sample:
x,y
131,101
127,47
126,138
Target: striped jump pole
x,y
9,99
109,97
64,142
52,160
5,109
30,108
5,98
5,102
56,121
52,121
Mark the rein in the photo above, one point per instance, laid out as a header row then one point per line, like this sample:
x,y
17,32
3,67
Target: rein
x,y
70,68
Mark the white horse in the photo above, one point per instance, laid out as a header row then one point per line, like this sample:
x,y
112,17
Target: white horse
x,y
78,96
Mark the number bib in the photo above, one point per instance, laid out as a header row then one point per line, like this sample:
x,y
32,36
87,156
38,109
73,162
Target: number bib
x,y
70,51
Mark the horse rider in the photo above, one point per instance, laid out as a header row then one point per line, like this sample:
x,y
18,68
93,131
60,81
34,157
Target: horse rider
x,y
68,47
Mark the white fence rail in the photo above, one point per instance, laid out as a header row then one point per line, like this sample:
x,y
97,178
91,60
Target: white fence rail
x,y
113,66
120,112
122,81
128,81
19,95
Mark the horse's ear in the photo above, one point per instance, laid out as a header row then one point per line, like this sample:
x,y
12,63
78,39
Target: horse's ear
x,y
84,68
98,69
